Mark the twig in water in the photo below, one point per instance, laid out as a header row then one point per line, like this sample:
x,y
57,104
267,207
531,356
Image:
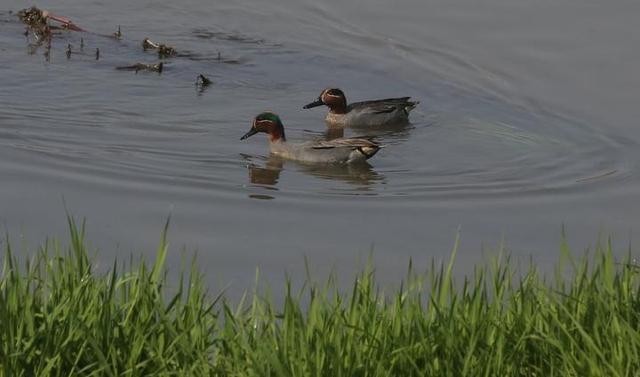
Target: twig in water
x,y
117,34
47,52
142,67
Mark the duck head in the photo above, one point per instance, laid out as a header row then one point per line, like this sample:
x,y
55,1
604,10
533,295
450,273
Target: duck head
x,y
268,123
333,98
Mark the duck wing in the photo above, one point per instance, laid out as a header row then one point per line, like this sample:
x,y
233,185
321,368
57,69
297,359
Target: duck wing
x,y
382,106
353,143
366,147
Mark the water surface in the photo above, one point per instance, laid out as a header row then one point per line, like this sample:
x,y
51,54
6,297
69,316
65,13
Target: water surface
x,y
527,122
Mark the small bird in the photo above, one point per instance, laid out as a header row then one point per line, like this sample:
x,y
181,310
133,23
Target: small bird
x,y
389,111
339,151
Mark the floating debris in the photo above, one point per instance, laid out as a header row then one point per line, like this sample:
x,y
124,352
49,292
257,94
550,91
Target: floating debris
x,y
37,20
166,51
32,16
142,67
42,26
203,81
163,49
147,44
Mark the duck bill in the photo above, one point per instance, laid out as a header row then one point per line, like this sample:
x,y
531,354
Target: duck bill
x,y
313,104
251,132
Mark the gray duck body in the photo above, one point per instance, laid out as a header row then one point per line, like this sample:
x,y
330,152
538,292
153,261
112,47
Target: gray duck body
x,y
374,113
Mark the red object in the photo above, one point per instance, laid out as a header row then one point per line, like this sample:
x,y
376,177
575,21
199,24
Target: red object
x,y
66,22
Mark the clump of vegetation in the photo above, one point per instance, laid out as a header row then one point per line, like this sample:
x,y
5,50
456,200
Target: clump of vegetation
x,y
164,50
38,24
58,316
36,21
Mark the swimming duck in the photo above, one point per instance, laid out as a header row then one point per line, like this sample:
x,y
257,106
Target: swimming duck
x,y
343,150
380,112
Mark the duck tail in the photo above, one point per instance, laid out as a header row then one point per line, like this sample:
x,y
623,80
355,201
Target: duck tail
x,y
369,151
410,106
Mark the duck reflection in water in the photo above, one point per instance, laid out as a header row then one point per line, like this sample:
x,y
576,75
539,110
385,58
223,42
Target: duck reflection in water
x,y
361,176
390,133
268,175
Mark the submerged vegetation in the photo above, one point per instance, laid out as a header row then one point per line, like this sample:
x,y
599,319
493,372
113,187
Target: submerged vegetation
x,y
59,317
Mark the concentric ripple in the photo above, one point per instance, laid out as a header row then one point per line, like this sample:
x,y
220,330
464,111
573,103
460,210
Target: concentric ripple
x,y
82,119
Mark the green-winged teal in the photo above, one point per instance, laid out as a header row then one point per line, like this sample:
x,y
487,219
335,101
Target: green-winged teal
x,y
389,111
343,150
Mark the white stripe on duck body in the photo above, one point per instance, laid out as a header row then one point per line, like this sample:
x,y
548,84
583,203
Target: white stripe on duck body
x,y
336,151
375,113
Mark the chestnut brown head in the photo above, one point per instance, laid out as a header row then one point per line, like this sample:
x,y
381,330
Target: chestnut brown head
x,y
333,98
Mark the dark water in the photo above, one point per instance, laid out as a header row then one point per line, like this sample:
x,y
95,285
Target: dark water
x,y
527,122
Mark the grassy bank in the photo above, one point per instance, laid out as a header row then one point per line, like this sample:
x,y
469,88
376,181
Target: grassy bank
x,y
58,317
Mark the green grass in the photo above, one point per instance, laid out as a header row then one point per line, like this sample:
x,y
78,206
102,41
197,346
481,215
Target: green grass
x,y
58,317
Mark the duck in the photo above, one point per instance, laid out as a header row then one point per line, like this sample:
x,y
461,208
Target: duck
x,y
336,151
375,113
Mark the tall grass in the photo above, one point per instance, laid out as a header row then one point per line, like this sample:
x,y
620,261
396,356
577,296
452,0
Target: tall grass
x,y
58,317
